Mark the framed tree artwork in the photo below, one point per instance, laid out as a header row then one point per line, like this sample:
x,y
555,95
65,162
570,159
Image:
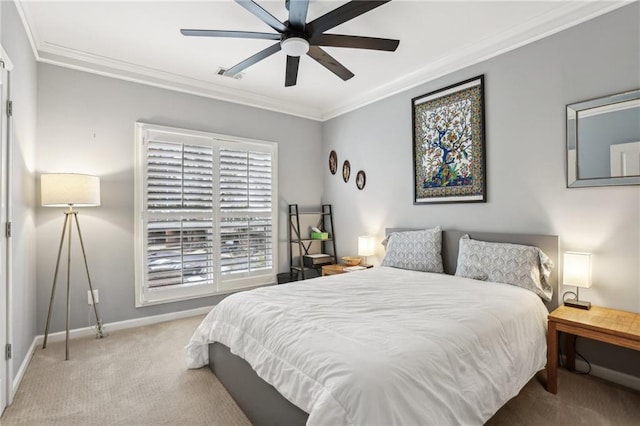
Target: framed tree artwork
x,y
449,144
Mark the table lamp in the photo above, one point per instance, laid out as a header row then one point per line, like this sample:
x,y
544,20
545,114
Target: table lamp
x,y
70,190
577,272
365,247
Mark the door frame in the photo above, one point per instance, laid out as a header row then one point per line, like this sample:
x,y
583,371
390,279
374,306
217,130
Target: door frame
x,y
6,165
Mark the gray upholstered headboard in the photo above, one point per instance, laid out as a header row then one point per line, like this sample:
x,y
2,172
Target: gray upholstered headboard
x,y
547,243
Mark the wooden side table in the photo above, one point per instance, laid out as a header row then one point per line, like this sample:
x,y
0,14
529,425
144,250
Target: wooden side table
x,y
338,269
603,324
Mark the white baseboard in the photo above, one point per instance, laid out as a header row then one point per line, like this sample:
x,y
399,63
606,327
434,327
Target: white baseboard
x,y
604,373
614,376
88,331
123,325
23,369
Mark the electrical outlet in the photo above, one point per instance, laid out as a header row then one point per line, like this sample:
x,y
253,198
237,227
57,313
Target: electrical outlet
x,y
95,296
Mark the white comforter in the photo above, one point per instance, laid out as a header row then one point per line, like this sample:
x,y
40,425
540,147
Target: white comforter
x,y
385,346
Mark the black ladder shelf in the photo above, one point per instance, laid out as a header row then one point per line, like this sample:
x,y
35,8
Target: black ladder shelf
x,y
301,245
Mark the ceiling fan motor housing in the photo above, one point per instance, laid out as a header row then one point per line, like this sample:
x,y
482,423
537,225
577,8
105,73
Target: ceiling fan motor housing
x,y
294,45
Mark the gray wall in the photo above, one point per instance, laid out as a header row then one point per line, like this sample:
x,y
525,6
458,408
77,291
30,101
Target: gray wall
x,y
526,91
86,125
23,93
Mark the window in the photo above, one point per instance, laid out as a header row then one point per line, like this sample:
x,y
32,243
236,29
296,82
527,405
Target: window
x,y
205,218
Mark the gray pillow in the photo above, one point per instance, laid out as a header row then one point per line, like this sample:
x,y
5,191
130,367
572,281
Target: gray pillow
x,y
415,250
519,265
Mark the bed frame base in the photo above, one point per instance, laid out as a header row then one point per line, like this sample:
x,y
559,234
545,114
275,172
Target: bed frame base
x,y
260,402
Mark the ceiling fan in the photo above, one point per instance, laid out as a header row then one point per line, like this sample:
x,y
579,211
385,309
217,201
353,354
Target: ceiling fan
x,y
297,37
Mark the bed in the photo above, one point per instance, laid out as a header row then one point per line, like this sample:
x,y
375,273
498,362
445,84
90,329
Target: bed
x,y
380,346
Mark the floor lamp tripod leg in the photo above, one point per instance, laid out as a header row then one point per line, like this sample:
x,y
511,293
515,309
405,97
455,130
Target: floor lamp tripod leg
x,y
99,333
66,344
55,279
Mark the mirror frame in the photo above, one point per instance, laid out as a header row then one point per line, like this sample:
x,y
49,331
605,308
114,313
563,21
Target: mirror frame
x,y
573,180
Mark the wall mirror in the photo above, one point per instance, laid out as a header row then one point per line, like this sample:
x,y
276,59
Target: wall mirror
x,y
603,141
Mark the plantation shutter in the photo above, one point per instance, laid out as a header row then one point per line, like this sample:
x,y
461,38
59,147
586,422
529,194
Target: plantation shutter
x,y
205,219
246,228
180,207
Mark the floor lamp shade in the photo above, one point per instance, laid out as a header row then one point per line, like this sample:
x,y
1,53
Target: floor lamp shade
x,y
69,189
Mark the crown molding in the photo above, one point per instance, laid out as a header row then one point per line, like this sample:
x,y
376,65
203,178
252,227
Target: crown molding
x,y
571,14
32,33
109,67
105,66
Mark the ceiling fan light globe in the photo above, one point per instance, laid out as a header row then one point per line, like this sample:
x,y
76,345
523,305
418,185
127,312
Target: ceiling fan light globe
x,y
295,46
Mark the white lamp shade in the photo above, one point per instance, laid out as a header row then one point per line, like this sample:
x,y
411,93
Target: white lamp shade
x,y
577,269
365,246
69,189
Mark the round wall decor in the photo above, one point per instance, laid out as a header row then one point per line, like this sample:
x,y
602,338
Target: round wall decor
x,y
346,170
333,162
361,180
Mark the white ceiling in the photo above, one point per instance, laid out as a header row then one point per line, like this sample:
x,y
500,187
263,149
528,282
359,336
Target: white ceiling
x,y
140,41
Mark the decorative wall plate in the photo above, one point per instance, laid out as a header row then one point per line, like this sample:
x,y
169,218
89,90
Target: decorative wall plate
x,y
333,162
346,170
361,180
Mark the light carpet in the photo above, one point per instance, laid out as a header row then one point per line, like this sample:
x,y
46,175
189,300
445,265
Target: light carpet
x,y
138,377
131,377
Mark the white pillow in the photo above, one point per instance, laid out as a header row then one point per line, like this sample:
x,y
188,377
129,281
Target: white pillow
x,y
415,250
519,265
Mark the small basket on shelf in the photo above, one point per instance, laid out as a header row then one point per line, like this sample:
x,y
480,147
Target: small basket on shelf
x,y
351,260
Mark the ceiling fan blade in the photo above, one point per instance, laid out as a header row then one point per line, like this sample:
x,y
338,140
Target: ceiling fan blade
x,y
329,62
253,59
291,78
233,34
355,42
342,14
298,13
263,15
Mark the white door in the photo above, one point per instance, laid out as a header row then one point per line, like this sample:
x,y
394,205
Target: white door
x,y
625,159
5,271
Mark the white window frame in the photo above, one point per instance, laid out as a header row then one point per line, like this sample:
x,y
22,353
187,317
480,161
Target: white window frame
x,y
146,296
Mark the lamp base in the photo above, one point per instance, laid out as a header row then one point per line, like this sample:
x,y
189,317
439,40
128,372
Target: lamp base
x,y
580,304
100,333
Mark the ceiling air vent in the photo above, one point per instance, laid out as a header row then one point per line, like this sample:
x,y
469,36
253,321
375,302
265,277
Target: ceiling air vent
x,y
221,72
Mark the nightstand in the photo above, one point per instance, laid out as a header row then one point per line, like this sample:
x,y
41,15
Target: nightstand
x,y
338,269
603,324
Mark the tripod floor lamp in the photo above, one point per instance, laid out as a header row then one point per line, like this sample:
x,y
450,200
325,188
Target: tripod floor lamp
x,y
70,190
